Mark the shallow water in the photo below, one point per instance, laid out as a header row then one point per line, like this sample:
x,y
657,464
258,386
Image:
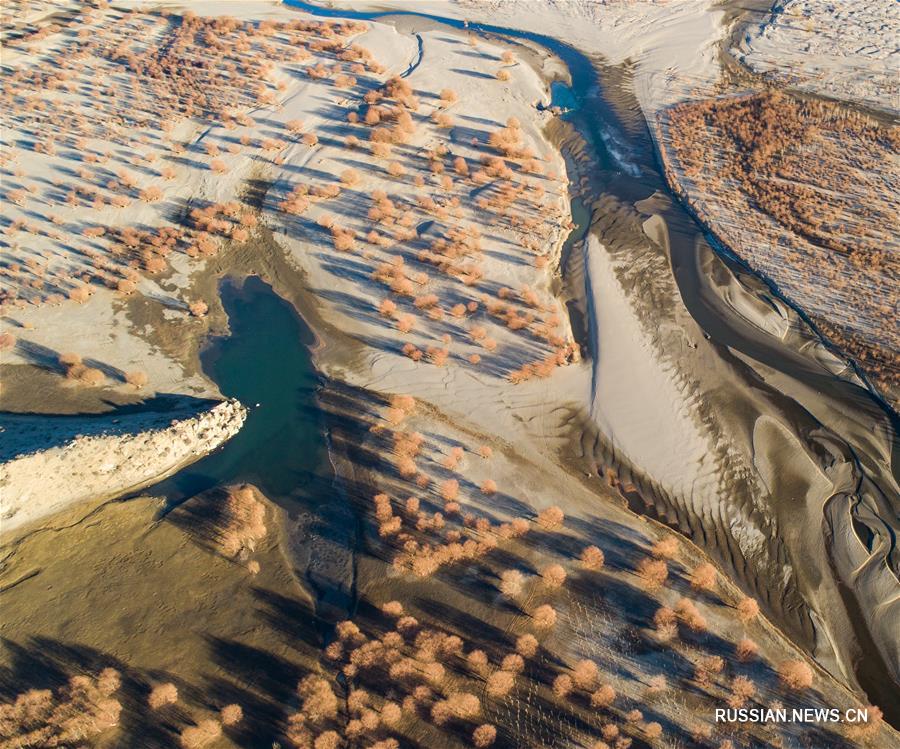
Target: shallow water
x,y
265,363
562,96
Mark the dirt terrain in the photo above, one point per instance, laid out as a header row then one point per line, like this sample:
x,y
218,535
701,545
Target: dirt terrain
x,y
467,571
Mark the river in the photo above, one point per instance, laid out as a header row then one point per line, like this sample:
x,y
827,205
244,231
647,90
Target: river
x,y
766,380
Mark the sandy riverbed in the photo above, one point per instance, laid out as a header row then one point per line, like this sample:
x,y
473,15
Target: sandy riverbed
x,y
464,399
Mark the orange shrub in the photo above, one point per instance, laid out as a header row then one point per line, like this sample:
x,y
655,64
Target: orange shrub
x,y
592,558
203,734
489,487
796,675
653,573
450,489
527,645
551,518
562,686
500,683
603,697
484,735
666,548
198,308
231,715
703,577
554,575
162,694
748,609
136,379
544,616
585,674
151,194
477,660
746,649
511,583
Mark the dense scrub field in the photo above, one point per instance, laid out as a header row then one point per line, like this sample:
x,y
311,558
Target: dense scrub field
x,y
806,192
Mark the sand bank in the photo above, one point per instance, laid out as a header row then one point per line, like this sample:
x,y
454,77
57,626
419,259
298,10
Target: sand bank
x,y
672,46
50,463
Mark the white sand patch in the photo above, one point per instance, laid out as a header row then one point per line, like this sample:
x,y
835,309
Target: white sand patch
x,y
635,402
113,343
95,459
845,49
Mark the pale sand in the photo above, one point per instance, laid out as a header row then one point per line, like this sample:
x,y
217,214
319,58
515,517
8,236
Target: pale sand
x,y
637,402
672,45
843,50
63,461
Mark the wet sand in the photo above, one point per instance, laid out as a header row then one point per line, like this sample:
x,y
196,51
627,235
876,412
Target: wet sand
x,y
764,400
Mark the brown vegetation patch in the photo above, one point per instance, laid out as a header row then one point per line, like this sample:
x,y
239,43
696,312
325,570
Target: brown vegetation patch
x,y
805,191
